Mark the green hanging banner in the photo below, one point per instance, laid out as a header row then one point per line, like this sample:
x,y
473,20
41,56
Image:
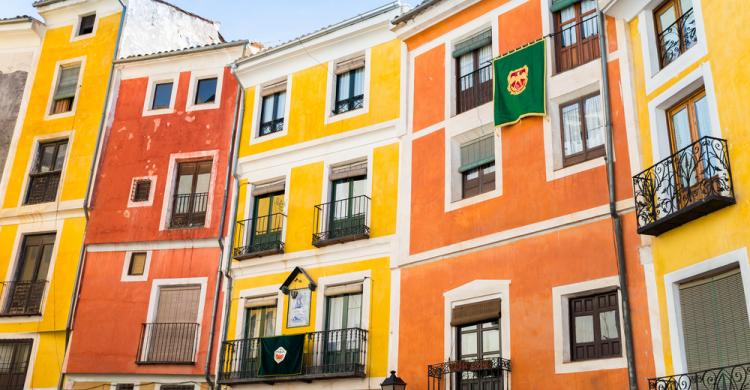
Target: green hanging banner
x,y
520,89
281,355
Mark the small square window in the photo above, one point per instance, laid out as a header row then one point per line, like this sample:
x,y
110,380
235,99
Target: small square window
x,y
141,191
206,91
137,264
86,26
162,96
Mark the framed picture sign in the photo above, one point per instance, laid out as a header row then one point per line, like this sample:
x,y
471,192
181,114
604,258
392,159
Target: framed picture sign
x,y
298,311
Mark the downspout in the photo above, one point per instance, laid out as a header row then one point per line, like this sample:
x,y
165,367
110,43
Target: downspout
x,y
89,188
616,221
234,146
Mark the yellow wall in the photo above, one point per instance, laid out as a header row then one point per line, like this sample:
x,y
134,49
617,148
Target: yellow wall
x,y
377,348
98,50
725,230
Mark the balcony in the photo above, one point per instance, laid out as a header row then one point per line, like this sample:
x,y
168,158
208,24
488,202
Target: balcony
x,y
490,373
168,343
259,236
341,221
22,298
723,378
328,354
577,44
474,89
189,210
677,38
687,185
43,187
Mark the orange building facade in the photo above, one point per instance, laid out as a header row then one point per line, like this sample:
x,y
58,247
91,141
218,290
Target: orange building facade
x,y
508,272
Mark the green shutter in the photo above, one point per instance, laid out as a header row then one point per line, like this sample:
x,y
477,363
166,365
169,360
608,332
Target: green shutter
x,y
558,5
482,39
67,83
477,153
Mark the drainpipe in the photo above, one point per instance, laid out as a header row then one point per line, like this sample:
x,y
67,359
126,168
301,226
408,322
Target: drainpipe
x,y
616,221
89,188
231,175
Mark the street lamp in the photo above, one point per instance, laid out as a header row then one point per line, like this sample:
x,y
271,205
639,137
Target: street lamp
x,y
393,383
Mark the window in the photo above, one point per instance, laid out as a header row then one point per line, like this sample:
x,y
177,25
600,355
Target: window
x,y
206,91
172,336
14,363
125,386
191,195
577,33
23,295
273,109
177,387
595,327
348,209
44,178
162,96
350,85
137,263
477,328
141,190
86,24
65,90
473,71
688,121
343,319
260,318
477,166
582,129
268,221
675,29
715,321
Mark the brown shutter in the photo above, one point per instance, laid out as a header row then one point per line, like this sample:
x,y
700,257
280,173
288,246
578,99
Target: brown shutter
x,y
268,188
343,289
271,89
178,304
267,301
350,64
476,312
350,169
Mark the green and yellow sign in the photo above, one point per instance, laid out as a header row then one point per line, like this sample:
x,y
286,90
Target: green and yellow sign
x,y
519,84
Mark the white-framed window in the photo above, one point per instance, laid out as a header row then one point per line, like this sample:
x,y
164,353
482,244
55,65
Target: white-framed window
x,y
64,93
472,61
136,265
586,326
268,297
205,88
273,108
264,230
189,192
348,87
46,173
331,302
161,94
25,288
85,26
142,191
473,171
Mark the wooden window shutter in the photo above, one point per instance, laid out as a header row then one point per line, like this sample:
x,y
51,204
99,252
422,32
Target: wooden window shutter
x,y
476,312
350,64
350,169
273,88
266,301
343,289
477,153
481,39
715,322
270,187
178,304
67,82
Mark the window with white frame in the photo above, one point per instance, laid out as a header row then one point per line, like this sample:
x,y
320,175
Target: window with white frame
x,y
86,24
477,167
205,91
272,109
141,191
674,21
46,173
15,356
172,335
595,326
582,125
66,87
349,85
162,95
473,57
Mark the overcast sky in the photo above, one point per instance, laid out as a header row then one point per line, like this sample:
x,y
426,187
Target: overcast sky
x,y
267,21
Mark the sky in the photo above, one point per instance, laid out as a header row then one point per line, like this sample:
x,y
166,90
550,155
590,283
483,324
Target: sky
x,y
267,21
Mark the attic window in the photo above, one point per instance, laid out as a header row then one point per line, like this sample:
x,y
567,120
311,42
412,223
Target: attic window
x,y
86,25
141,190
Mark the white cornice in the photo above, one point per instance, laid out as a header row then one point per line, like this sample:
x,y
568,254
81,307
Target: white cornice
x,y
66,13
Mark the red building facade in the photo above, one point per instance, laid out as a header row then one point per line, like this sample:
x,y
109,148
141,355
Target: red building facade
x,y
149,279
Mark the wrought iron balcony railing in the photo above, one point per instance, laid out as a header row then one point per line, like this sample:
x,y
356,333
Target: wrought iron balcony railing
x,y
259,236
577,44
677,38
724,378
490,373
687,185
14,363
328,354
474,89
189,210
22,298
168,343
43,187
341,221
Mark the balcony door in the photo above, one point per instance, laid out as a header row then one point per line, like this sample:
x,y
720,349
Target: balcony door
x,y
173,333
268,221
23,295
260,322
348,208
479,343
191,195
688,121
343,341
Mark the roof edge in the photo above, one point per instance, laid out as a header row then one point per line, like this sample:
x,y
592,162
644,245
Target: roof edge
x,y
414,12
176,53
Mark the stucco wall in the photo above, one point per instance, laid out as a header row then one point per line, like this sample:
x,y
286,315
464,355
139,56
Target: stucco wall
x,y
11,92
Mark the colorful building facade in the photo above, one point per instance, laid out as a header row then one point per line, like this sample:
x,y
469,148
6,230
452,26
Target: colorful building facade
x,y
512,276
316,236
684,78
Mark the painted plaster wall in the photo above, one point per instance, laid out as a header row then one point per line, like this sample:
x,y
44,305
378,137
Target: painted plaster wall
x,y
725,230
12,85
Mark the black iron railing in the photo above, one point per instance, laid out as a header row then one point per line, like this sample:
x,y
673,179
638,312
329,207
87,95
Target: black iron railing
x,y
677,38
349,104
22,298
259,236
43,187
168,343
474,89
327,354
14,362
341,221
490,373
693,182
189,210
272,126
577,44
723,378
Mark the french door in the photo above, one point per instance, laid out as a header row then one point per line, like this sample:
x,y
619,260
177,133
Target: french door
x,y
477,343
348,206
342,348
267,221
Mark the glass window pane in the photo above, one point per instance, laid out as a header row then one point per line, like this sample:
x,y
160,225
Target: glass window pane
x,y
61,149
269,322
267,110
335,312
608,325
280,105
185,183
686,5
485,56
137,264
44,264
681,129
594,122
701,116
468,343
359,81
206,91
568,13
253,326
342,89
466,64
354,314
667,17
201,184
588,5
29,263
6,357
491,340
571,124
584,329
48,153
162,96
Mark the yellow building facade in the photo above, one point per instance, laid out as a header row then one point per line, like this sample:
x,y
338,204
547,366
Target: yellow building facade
x,y
315,239
686,88
45,180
